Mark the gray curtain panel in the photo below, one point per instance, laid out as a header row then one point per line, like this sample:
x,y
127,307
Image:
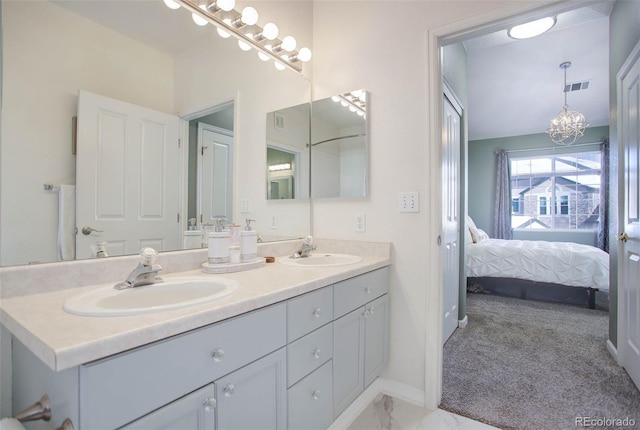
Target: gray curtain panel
x,y
502,227
603,226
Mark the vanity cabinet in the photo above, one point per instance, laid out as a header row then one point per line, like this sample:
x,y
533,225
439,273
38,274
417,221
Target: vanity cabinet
x,y
360,337
293,365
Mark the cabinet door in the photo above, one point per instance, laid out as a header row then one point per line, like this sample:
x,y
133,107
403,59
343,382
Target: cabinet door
x,y
254,397
348,359
311,401
195,411
376,338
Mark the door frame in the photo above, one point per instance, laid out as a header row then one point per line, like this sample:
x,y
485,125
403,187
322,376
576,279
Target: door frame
x,y
195,113
620,350
436,38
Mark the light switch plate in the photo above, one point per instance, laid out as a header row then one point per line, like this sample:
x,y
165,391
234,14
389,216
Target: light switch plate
x,y
360,222
409,201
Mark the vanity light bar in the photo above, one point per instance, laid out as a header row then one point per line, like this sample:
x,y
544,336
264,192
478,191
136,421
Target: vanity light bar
x,y
277,167
231,22
355,101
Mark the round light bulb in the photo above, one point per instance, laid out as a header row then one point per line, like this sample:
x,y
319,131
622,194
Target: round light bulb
x,y
352,108
226,5
344,103
279,65
249,16
263,56
171,4
270,31
289,43
335,98
360,113
244,46
304,54
199,20
223,33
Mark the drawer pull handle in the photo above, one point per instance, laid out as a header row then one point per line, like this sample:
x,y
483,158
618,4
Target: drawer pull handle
x,y
317,313
228,390
316,394
218,354
209,403
317,353
367,313
367,290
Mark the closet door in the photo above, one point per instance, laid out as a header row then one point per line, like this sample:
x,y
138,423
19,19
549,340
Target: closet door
x,y
450,217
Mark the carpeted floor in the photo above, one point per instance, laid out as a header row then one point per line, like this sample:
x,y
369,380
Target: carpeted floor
x,y
532,365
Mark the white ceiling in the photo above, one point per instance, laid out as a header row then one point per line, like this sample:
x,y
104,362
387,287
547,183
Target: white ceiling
x,y
515,87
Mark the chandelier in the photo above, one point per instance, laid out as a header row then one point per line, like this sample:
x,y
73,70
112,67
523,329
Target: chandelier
x,y
568,125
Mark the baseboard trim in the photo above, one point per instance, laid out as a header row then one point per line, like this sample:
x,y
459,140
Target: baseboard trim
x,y
463,322
612,350
379,386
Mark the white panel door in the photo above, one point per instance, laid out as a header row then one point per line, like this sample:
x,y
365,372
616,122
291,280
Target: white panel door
x,y
450,217
215,163
629,255
127,177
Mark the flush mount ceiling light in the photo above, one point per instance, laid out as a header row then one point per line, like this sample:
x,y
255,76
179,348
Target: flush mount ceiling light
x,y
244,26
568,125
531,29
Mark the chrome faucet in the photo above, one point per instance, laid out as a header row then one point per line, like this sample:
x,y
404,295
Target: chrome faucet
x,y
305,248
145,273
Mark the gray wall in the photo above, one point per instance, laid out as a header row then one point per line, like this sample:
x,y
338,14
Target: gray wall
x,y
482,167
624,34
455,73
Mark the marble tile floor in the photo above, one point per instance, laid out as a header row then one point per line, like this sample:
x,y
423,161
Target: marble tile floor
x,y
388,413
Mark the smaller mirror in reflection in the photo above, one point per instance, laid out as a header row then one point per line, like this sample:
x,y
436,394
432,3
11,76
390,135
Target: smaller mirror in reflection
x,y
339,146
288,153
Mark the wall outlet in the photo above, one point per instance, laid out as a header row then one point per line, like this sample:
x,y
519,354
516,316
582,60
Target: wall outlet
x,y
409,201
360,222
274,222
245,206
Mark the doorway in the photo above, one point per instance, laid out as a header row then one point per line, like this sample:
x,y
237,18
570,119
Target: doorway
x,y
438,38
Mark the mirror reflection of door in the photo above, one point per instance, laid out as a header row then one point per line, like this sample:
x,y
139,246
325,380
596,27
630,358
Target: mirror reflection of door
x,y
215,177
128,178
282,172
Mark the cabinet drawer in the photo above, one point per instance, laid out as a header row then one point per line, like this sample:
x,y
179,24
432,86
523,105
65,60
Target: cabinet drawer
x,y
355,292
308,312
309,352
311,401
118,389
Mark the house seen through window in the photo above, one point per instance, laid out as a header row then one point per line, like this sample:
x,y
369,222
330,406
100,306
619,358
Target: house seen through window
x,y
556,191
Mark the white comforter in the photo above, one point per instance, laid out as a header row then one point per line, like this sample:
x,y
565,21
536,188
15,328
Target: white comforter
x,y
553,262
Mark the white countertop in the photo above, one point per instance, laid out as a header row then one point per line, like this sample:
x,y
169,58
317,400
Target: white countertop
x,y
62,340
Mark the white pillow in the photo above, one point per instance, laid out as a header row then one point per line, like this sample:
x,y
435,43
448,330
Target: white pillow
x,y
467,236
473,229
482,235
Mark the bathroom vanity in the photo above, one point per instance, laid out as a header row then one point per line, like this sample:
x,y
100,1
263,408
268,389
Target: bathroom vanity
x,y
292,352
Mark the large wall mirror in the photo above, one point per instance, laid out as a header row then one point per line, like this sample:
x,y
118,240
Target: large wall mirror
x,y
145,55
319,148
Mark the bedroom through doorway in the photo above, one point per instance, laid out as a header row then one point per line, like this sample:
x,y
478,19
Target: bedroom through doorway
x,y
475,171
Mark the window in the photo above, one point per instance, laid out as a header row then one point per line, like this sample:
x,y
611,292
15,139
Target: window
x,y
556,191
542,206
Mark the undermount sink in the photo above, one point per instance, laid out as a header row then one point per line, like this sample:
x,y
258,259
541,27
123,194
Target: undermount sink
x,y
322,259
172,294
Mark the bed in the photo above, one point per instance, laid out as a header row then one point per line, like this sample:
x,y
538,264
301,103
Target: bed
x,y
536,269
